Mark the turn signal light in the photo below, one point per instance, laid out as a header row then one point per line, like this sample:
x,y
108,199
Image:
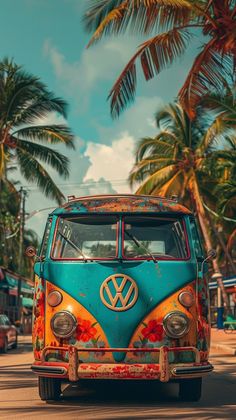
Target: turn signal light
x,y
54,298
186,299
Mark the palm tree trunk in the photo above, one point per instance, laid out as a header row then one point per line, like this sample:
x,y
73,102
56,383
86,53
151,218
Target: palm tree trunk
x,y
203,221
222,243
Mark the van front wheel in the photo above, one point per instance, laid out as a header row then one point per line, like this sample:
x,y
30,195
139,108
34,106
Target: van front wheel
x,y
49,388
190,389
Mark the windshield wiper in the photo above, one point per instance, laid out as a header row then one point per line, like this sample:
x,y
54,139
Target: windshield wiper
x,y
73,245
140,245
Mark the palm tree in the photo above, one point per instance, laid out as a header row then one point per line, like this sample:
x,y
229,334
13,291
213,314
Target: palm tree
x,y
223,104
24,100
182,159
226,193
174,22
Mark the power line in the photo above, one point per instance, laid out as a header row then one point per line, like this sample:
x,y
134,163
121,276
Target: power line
x,y
85,185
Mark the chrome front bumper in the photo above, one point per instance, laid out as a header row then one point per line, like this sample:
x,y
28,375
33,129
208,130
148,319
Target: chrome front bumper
x,y
163,371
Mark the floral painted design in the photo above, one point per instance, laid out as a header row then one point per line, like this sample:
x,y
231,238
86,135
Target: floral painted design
x,y
152,335
38,319
85,330
87,333
153,331
203,330
100,345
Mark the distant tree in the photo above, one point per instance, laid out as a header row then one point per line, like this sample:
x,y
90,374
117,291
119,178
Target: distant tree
x,y
182,160
24,100
10,230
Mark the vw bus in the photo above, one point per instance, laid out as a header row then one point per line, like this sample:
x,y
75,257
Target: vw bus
x,y
121,293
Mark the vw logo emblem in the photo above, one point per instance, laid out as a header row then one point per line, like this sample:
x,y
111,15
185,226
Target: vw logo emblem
x,y
119,292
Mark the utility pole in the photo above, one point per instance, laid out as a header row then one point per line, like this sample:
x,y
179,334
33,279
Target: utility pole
x,y
21,248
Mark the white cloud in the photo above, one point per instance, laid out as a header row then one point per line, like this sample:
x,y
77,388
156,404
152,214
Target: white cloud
x,y
112,162
96,64
138,120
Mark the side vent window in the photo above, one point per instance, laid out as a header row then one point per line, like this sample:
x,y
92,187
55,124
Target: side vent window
x,y
44,245
196,240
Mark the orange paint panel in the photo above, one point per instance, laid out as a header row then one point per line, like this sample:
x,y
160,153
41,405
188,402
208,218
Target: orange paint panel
x,y
87,334
150,332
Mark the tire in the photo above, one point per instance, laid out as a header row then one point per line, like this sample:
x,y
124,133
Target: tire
x,y
49,388
190,389
14,345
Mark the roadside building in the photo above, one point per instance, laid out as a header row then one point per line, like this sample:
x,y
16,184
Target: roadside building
x,y
230,288
8,298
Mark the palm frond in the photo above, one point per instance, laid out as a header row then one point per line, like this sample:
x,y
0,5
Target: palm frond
x,y
154,54
223,105
173,118
47,133
157,180
38,108
139,16
112,23
215,133
97,11
149,166
47,155
34,172
226,197
224,155
210,68
164,190
162,144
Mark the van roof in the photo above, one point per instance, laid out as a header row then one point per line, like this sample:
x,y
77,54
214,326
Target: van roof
x,y
120,203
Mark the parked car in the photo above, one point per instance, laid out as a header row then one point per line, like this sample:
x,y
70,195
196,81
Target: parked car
x,y
8,334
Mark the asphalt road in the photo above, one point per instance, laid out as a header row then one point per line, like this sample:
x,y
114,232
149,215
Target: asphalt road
x,y
19,395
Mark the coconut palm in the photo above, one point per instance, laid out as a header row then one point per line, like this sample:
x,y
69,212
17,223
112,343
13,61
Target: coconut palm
x,y
182,160
171,24
24,103
226,193
224,105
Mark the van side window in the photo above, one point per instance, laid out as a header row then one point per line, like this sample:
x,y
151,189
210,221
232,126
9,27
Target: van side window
x,y
44,244
196,240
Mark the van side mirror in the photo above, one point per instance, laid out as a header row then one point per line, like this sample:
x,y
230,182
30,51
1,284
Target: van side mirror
x,y
30,251
211,255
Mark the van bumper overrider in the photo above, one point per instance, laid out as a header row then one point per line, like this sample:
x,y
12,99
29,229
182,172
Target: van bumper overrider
x,y
163,371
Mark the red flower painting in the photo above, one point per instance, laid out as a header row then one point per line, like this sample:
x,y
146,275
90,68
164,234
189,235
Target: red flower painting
x,y
85,330
39,327
153,331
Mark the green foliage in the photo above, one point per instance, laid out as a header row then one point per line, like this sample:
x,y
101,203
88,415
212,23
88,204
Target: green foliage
x,y
10,231
24,104
189,159
171,24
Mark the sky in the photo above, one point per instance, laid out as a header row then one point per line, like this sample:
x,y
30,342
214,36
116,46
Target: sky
x,y
48,38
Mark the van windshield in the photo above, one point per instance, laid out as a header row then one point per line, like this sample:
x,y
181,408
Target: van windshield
x,y
96,237
155,237
86,238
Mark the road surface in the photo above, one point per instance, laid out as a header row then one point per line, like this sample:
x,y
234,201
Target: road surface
x,y
19,395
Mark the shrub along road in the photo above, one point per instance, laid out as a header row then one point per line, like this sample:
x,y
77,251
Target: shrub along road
x,y
19,394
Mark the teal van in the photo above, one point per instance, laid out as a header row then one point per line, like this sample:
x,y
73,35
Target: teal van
x,y
121,293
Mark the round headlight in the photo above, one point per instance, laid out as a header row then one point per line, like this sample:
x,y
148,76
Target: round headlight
x,y
54,298
186,299
176,324
63,324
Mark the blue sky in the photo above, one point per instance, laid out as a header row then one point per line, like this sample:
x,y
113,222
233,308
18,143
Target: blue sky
x,y
48,39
